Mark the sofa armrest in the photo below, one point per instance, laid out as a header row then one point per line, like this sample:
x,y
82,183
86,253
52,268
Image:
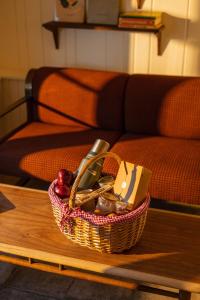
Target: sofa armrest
x,y
28,94
4,136
29,82
13,106
28,100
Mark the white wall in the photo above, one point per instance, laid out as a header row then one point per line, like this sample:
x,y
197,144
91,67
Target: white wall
x,y
25,44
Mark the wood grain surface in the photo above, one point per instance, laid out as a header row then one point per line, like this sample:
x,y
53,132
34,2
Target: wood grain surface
x,y
168,253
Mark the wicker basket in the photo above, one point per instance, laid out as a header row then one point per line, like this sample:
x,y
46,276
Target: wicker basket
x,y
102,233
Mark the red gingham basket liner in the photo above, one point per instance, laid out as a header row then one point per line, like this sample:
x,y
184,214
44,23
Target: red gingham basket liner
x,y
68,213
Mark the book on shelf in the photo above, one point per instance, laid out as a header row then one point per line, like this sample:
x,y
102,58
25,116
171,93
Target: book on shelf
x,y
141,18
139,21
139,26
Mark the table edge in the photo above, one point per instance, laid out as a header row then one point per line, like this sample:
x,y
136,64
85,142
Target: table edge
x,y
100,268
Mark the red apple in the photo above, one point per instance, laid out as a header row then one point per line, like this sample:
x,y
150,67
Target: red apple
x,y
65,177
63,191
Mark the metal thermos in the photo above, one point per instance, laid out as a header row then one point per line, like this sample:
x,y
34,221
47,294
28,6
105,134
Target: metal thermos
x,y
93,172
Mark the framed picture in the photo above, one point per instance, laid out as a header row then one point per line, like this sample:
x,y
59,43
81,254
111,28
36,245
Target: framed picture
x,y
102,11
70,11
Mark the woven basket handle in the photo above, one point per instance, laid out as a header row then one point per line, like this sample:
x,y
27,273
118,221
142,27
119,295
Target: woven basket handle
x,y
85,167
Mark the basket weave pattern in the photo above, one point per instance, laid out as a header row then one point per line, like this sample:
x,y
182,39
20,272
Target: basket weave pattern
x,y
102,233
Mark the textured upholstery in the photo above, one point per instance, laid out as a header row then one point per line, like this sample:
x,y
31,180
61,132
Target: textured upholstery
x,y
151,120
175,164
40,150
163,105
91,97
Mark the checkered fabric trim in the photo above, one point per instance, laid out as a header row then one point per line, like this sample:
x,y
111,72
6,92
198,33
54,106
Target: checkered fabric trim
x,y
69,214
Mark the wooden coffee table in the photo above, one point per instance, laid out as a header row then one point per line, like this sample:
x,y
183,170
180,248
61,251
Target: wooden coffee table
x,y
168,254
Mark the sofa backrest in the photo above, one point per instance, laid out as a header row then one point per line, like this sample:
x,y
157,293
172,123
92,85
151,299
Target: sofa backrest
x,y
163,105
78,96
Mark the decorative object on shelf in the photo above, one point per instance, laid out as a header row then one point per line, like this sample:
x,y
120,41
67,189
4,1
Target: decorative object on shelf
x,y
70,11
139,3
140,19
102,11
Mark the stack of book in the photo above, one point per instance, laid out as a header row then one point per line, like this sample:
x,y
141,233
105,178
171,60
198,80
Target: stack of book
x,y
140,19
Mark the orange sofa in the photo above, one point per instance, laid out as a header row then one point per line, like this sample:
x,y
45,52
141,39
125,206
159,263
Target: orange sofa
x,y
151,120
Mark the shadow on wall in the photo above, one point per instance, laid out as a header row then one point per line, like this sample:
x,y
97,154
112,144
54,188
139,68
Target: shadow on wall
x,y
184,30
175,29
192,61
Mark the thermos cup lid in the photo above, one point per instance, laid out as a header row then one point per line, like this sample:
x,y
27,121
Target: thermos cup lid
x,y
100,146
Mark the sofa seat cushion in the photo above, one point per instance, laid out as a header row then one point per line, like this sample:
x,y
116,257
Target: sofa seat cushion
x,y
39,150
175,164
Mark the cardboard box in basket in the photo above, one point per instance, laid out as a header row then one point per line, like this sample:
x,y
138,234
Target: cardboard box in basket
x,y
131,184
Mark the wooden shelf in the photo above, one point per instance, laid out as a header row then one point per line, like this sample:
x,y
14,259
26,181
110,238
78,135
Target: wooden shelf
x,y
55,26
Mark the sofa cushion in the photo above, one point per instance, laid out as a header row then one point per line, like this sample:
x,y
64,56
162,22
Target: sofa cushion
x,y
175,165
94,98
163,105
40,150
